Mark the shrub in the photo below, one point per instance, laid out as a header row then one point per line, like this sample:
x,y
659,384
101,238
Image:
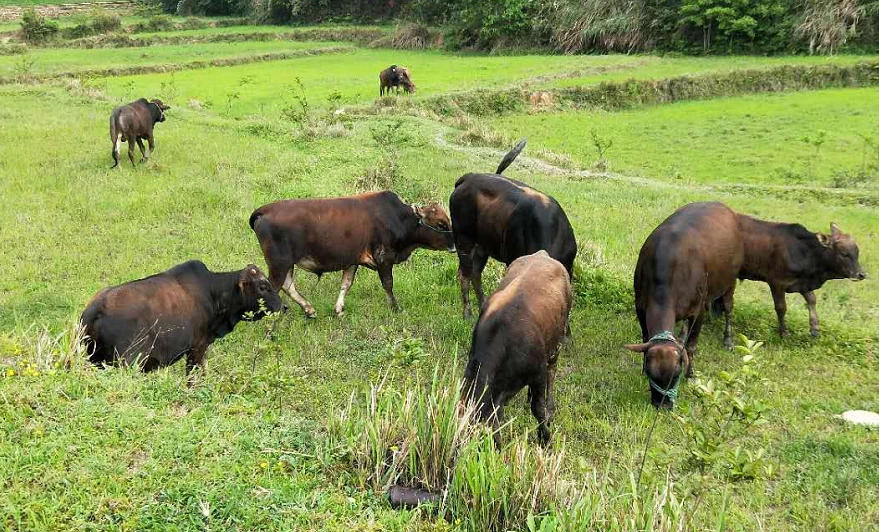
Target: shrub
x,y
193,23
35,28
828,24
597,25
98,22
159,23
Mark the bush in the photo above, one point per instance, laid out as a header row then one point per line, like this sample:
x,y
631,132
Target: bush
x,y
159,23
35,28
193,23
98,22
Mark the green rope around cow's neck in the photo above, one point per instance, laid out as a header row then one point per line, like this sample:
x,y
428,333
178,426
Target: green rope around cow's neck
x,y
670,393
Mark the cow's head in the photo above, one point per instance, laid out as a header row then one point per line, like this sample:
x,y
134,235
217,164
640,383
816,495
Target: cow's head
x,y
434,229
257,293
159,110
843,254
665,360
405,80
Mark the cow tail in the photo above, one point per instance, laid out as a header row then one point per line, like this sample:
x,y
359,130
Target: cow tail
x,y
254,218
511,156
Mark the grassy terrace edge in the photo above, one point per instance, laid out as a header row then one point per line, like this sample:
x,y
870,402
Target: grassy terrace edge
x,y
613,96
174,67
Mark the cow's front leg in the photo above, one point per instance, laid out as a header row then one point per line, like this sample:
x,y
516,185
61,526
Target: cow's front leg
x,y
347,281
811,302
195,359
780,309
465,249
152,143
480,258
386,274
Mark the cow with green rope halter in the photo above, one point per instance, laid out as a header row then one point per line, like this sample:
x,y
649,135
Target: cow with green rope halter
x,y
665,361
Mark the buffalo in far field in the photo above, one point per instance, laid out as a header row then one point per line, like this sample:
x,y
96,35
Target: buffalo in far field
x,y
134,123
395,77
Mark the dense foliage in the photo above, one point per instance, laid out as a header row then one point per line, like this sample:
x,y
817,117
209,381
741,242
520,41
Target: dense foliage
x,y
584,26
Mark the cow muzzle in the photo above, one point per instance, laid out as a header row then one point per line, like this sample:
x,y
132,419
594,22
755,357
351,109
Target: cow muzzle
x,y
860,276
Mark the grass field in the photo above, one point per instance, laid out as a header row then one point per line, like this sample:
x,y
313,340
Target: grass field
x,y
108,450
751,139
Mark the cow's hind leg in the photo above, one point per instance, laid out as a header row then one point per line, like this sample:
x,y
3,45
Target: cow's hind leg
x,y
131,151
347,281
289,286
812,302
465,272
479,259
143,155
542,404
728,301
117,143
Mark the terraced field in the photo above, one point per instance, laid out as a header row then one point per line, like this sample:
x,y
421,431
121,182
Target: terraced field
x,y
247,448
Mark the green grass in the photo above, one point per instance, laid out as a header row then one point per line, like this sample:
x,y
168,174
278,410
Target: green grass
x,y
751,139
109,450
71,60
4,3
243,29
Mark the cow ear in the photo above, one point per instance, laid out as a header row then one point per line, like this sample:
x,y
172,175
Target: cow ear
x,y
824,239
638,348
419,212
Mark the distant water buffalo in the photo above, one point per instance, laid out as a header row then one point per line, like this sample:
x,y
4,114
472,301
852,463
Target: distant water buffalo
x,y
494,216
395,77
790,258
690,260
134,123
375,230
516,339
158,320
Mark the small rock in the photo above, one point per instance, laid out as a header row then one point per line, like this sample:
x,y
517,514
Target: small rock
x,y
861,417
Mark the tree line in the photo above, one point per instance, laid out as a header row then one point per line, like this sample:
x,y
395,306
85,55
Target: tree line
x,y
594,26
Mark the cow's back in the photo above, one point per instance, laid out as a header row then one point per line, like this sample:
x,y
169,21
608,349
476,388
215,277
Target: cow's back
x,y
510,219
158,315
690,259
524,320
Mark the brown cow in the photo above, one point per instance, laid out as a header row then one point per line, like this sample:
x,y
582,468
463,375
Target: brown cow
x,y
134,123
790,258
690,260
516,339
505,219
376,230
153,322
394,77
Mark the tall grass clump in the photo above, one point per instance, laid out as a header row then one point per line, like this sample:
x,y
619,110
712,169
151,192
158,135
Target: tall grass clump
x,y
597,25
828,24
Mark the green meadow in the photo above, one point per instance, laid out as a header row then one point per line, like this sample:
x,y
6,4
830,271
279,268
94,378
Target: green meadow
x,y
247,447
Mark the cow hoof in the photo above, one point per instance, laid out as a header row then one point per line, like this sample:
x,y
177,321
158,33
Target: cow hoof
x,y
728,343
339,312
310,314
815,333
784,334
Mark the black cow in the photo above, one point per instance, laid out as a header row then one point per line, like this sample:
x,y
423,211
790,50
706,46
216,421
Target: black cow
x,y
516,339
494,216
790,258
155,321
376,230
134,123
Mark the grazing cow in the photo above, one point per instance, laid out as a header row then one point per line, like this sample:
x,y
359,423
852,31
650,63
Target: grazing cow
x,y
516,339
692,259
505,219
790,258
134,123
155,321
376,230
393,77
